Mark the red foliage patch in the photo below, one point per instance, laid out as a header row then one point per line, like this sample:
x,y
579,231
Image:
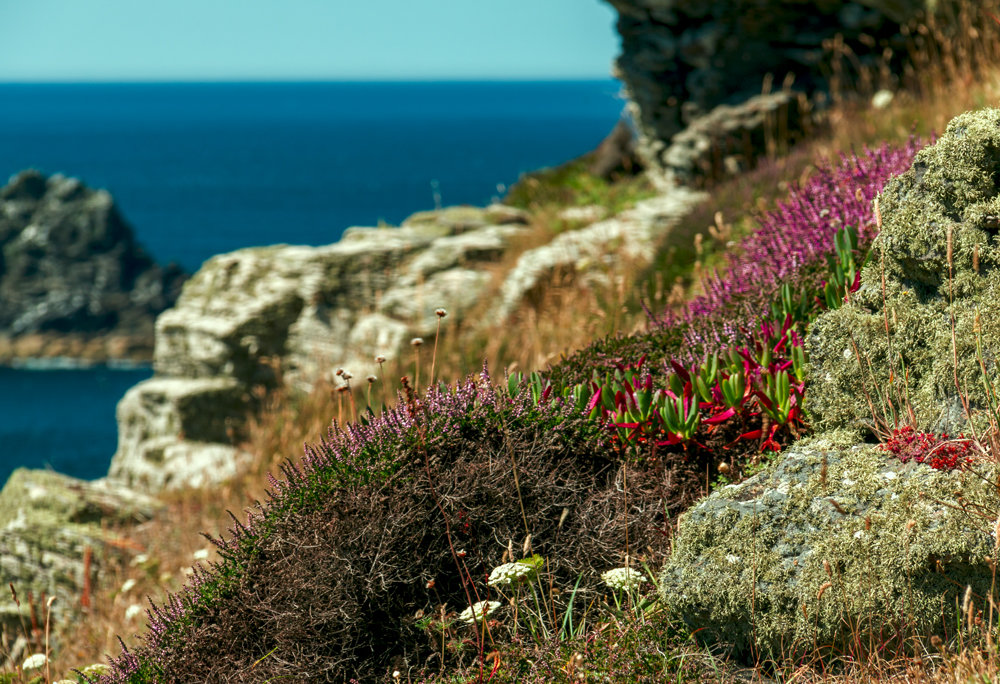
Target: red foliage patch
x,y
938,451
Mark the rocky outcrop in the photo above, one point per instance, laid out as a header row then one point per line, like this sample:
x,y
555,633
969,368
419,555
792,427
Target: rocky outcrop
x,y
940,239
70,268
256,317
683,59
49,521
596,254
832,541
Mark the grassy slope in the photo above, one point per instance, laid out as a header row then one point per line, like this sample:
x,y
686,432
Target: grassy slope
x,y
288,424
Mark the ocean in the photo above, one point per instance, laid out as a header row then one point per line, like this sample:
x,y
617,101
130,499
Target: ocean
x,y
201,169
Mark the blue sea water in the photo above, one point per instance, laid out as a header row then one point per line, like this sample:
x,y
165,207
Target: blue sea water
x,y
200,169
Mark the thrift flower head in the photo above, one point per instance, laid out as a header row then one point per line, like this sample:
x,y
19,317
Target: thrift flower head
x,y
38,660
477,611
623,578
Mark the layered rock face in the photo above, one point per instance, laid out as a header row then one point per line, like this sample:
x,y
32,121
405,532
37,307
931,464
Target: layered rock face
x,y
304,311
838,533
48,522
682,59
70,268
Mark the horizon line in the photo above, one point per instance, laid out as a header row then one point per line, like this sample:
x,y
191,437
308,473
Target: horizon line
x,y
307,80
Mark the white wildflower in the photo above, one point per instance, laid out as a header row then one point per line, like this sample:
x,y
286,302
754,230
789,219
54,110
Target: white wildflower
x,y
513,573
882,99
732,559
477,611
133,611
35,662
623,578
127,585
201,554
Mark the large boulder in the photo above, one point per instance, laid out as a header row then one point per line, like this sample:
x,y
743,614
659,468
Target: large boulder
x,y
933,279
70,266
683,59
832,541
177,433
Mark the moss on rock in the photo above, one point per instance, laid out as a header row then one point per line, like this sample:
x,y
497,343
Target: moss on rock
x,y
888,541
933,282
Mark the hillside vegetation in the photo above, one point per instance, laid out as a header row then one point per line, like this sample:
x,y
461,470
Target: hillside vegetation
x,y
510,526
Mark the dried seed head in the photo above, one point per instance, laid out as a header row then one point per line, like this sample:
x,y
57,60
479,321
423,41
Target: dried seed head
x,y
371,379
822,588
527,546
380,359
826,566
440,313
344,388
340,371
346,376
910,524
562,518
416,341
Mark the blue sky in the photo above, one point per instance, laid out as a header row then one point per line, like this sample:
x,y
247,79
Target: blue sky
x,y
115,40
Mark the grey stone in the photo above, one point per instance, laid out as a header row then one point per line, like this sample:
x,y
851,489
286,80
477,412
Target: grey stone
x,y
630,237
47,521
751,562
255,318
176,432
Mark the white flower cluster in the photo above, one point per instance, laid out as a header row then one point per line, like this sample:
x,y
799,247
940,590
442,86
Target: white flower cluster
x,y
477,611
511,573
623,578
35,662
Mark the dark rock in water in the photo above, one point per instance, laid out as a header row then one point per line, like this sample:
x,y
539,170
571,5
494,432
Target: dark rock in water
x,y
69,263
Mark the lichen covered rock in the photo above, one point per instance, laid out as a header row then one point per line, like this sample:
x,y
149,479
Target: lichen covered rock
x,y
933,281
829,540
47,523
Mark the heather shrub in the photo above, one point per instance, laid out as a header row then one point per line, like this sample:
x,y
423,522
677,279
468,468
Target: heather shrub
x,y
389,522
